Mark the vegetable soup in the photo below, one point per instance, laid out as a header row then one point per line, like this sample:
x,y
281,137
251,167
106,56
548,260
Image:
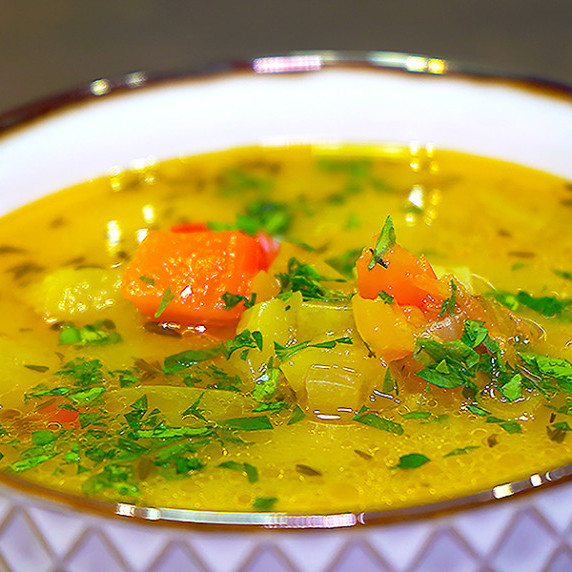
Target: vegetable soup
x,y
301,329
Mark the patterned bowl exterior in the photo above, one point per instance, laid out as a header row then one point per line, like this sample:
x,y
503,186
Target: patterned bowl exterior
x,y
327,96
529,533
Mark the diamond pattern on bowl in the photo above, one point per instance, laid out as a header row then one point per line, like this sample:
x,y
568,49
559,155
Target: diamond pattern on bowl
x,y
222,552
313,550
527,545
561,562
59,530
399,544
447,551
556,512
94,552
176,557
21,546
266,559
482,528
149,544
529,533
358,556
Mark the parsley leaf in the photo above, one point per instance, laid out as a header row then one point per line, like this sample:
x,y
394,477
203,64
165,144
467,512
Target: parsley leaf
x,y
247,469
166,299
549,306
285,352
245,339
412,461
264,504
461,451
385,242
374,420
257,423
97,333
304,278
297,415
267,383
232,300
178,362
448,305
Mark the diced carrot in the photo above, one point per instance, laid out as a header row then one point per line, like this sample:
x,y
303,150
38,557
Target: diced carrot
x,y
269,245
67,417
182,276
189,227
408,278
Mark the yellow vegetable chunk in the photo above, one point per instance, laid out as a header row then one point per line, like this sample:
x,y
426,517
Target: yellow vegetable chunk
x,y
276,320
68,293
317,317
329,379
383,327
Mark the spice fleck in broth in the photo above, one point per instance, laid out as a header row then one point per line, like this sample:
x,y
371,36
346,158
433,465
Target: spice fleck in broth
x,y
298,329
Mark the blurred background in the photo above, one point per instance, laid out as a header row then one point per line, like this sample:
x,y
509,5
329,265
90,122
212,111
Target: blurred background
x,y
50,46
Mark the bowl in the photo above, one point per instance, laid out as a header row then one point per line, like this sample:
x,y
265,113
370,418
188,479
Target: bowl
x,y
300,97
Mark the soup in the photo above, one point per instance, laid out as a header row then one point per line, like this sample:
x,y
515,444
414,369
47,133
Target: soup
x,y
296,329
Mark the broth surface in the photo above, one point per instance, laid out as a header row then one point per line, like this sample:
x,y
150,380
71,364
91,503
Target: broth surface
x,y
93,405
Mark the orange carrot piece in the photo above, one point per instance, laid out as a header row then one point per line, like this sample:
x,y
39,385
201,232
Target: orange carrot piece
x,y
181,276
409,279
66,417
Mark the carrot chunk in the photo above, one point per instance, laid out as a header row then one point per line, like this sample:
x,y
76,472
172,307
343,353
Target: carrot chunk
x,y
182,276
408,278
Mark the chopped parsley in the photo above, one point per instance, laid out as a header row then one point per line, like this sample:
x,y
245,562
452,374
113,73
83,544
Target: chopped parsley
x,y
563,274
304,278
285,352
178,362
250,471
412,461
448,305
232,300
387,298
385,242
166,299
244,340
461,451
100,332
264,504
257,423
297,415
274,219
549,306
374,420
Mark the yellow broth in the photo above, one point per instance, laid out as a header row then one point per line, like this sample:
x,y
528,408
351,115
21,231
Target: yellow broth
x,y
485,222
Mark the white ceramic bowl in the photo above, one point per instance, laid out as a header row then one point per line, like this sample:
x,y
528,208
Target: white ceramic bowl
x,y
328,96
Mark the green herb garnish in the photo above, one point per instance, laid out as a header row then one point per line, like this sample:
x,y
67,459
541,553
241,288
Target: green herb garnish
x,y
385,242
549,306
178,362
232,300
166,299
264,504
374,420
461,451
297,415
285,352
412,461
97,333
257,423
387,298
448,305
304,278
